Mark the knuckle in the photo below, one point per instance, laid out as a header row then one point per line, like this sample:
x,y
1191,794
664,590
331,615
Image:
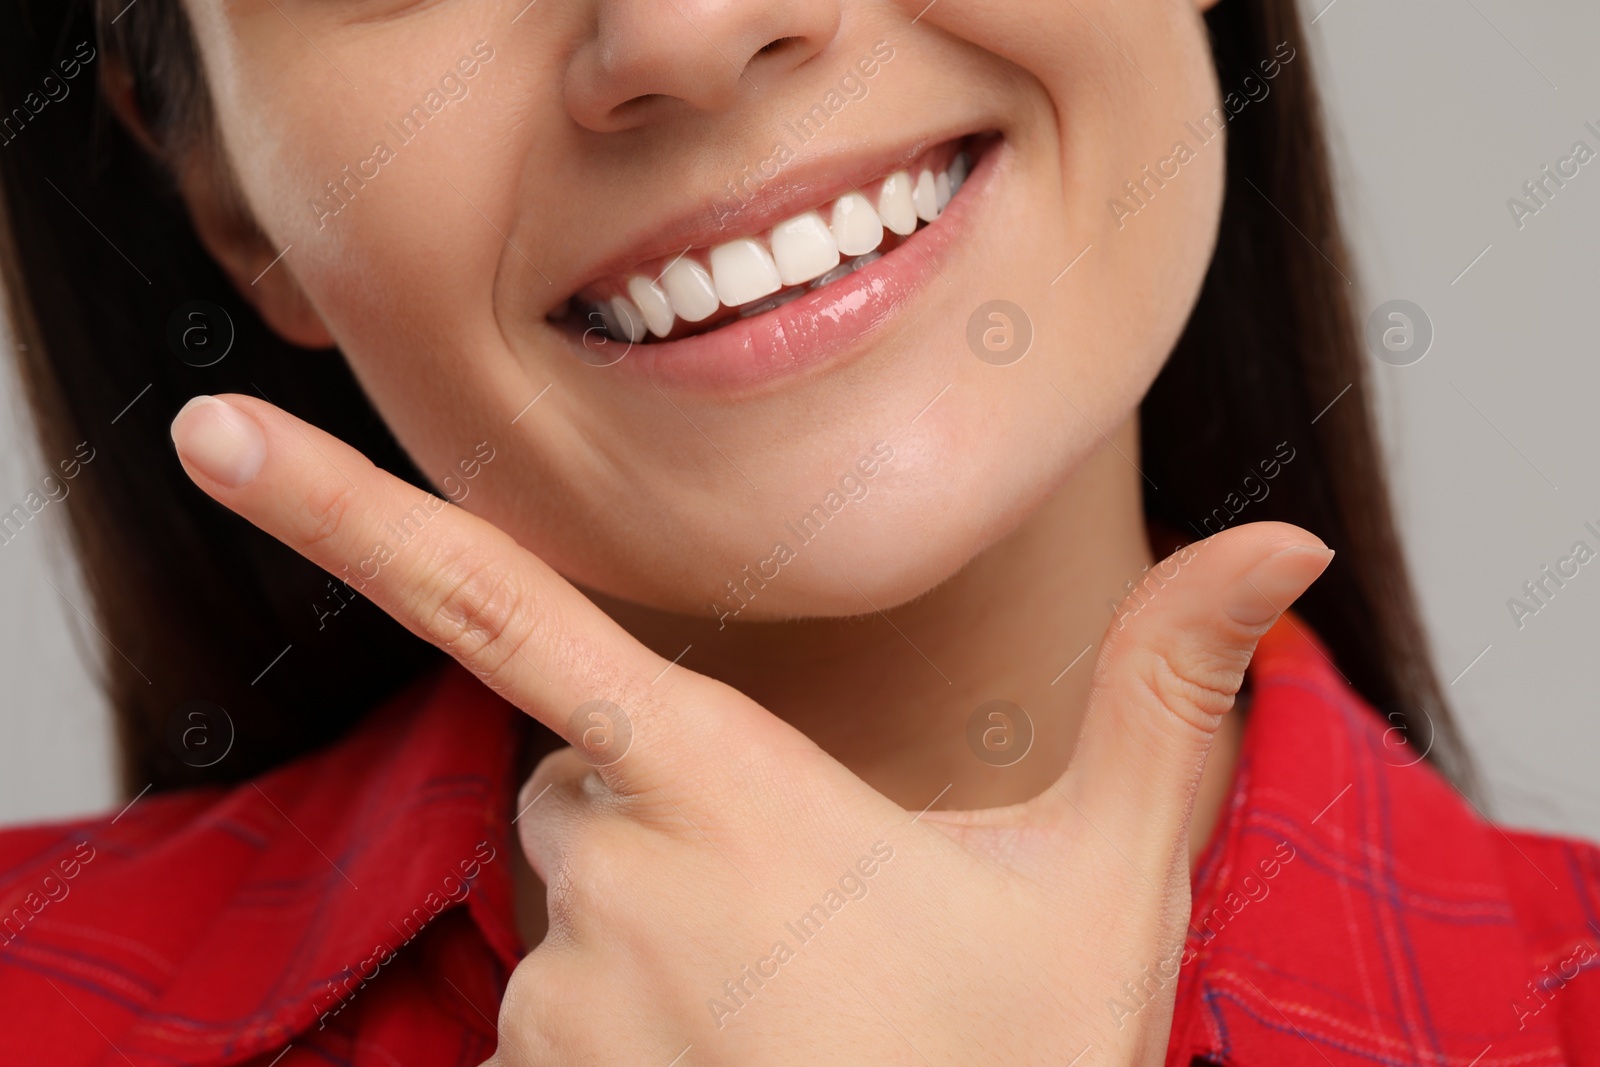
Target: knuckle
x,y
1195,685
527,1010
324,513
482,615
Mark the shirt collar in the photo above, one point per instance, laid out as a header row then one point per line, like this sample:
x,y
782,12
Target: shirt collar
x,y
323,865
1351,907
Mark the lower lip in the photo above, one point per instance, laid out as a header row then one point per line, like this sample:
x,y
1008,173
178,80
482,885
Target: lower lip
x,y
820,330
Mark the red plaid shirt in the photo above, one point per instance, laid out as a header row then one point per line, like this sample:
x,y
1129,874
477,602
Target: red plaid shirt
x,y
355,907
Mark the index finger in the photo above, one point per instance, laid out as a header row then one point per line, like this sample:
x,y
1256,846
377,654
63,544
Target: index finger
x,y
457,581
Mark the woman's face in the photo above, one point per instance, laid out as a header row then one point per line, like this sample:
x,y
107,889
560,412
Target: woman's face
x,y
459,184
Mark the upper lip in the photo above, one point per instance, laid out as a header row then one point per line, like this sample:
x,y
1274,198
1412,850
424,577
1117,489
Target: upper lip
x,y
800,186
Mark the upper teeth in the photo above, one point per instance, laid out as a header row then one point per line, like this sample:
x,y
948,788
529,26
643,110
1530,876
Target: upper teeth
x,y
811,247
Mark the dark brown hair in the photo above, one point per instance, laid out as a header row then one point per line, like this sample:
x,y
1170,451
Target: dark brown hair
x,y
194,603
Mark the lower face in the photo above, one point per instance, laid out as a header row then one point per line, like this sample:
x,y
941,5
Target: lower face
x,y
703,302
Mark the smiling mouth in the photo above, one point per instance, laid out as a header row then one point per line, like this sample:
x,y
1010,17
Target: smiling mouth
x,y
701,290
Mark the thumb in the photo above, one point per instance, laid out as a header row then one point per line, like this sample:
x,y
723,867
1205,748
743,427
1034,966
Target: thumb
x,y
1172,661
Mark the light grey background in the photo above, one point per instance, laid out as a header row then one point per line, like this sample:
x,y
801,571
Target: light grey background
x,y
1440,110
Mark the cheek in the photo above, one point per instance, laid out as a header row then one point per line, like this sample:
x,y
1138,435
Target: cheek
x,y
384,195
397,236
1113,111
1144,180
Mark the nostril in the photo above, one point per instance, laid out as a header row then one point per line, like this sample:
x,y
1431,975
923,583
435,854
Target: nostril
x,y
639,102
774,47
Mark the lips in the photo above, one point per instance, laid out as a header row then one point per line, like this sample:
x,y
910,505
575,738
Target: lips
x,y
701,289
737,350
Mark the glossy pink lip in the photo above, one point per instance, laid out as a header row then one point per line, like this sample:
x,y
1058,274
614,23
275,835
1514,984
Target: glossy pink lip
x,y
819,328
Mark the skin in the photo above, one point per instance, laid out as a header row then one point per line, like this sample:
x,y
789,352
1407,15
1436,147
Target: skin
x,y
584,558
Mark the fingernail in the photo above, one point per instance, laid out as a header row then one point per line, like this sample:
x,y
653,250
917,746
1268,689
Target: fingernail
x,y
219,441
1277,581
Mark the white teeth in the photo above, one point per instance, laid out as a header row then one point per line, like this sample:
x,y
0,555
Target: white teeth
x,y
628,318
801,254
856,227
689,287
895,206
803,248
743,271
653,304
925,197
959,168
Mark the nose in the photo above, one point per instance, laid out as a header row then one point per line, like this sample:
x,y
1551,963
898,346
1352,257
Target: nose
x,y
648,57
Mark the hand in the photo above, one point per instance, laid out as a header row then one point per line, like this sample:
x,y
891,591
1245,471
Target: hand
x,y
719,884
